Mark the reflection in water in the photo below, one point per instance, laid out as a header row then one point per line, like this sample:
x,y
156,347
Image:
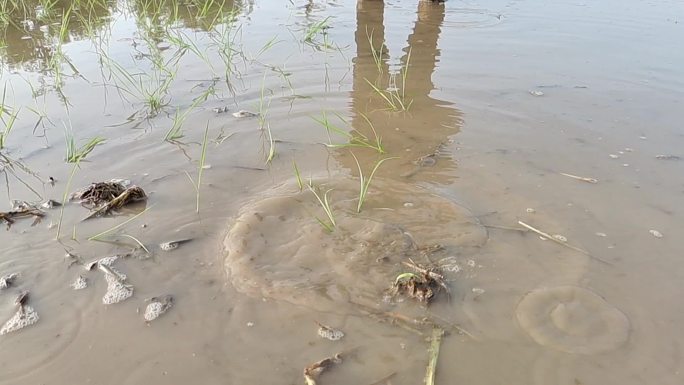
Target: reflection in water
x,y
421,131
32,30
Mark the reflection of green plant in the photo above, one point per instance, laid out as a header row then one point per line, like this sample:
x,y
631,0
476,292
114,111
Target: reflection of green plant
x,y
9,121
365,183
354,137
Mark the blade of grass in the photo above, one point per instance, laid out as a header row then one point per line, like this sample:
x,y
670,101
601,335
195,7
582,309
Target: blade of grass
x,y
365,183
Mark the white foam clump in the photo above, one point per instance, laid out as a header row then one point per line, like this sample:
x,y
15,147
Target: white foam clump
x,y
80,283
117,291
157,307
330,333
6,281
25,316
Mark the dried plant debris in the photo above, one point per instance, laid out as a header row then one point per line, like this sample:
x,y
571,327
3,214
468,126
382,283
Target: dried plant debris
x,y
22,298
9,217
668,157
104,197
313,371
25,315
157,307
80,283
329,333
98,194
422,285
7,280
172,245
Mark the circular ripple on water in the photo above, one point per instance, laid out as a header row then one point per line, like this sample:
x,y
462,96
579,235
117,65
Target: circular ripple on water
x,y
277,249
573,320
471,18
26,350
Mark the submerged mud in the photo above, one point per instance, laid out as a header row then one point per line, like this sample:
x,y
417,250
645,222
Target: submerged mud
x,y
277,249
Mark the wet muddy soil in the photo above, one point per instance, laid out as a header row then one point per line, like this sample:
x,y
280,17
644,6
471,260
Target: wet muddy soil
x,y
294,160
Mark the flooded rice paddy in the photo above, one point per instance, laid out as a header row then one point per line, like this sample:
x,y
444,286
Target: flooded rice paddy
x,y
296,158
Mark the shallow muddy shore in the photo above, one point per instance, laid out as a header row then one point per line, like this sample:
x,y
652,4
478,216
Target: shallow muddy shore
x,y
297,158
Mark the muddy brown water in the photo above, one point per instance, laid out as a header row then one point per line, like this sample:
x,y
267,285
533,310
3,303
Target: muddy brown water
x,y
504,97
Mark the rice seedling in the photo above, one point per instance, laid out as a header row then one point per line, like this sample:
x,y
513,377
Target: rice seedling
x,y
314,29
267,46
225,40
285,76
150,89
395,95
262,108
100,236
65,196
76,155
9,166
378,53
184,43
365,183
322,198
300,183
175,132
354,137
200,168
271,148
9,124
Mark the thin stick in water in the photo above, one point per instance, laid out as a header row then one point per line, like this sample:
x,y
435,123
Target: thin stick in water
x,y
552,238
583,179
435,343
